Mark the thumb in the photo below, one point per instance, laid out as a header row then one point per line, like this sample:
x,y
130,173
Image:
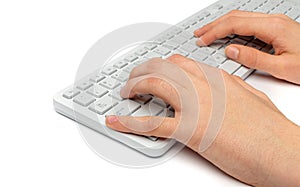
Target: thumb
x,y
255,59
164,127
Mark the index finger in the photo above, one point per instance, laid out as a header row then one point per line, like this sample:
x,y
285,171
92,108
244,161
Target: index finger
x,y
266,29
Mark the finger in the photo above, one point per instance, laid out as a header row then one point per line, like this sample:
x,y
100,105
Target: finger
x,y
262,28
147,125
238,13
156,85
186,64
255,59
161,67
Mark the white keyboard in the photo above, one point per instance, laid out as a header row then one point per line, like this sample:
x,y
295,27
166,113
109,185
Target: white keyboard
x,y
97,95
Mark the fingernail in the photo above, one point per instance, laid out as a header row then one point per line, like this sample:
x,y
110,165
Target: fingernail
x,y
112,119
200,42
232,52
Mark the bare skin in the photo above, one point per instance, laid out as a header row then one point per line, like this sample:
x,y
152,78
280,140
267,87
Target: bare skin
x,y
256,144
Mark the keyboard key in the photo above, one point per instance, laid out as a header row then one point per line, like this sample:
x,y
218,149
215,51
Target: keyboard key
x,y
150,46
84,99
97,91
108,70
109,83
152,55
141,52
96,78
211,61
120,64
159,102
206,50
181,52
198,56
218,57
171,45
230,66
253,45
125,108
70,93
150,109
131,58
129,68
162,50
120,76
190,48
83,85
103,105
242,72
115,93
179,39
238,41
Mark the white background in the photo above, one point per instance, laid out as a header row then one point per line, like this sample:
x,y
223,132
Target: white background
x,y
41,46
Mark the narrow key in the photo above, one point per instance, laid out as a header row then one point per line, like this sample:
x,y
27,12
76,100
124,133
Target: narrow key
x,y
108,70
120,64
243,72
149,109
115,93
198,56
84,99
171,45
151,46
97,91
179,39
152,55
211,61
103,105
162,50
206,50
141,52
131,58
129,68
109,83
120,76
189,48
70,93
230,66
83,85
125,108
96,78
220,58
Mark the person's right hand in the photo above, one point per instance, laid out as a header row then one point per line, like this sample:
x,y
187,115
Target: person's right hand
x,y
278,30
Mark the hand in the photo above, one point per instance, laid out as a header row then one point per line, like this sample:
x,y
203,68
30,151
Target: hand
x,y
255,142
278,30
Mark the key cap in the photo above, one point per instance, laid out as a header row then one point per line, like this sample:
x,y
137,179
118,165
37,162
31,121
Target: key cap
x,y
189,47
108,70
230,66
171,45
211,61
242,72
198,56
187,35
109,83
152,55
142,98
160,102
141,52
238,41
120,76
125,108
120,64
149,109
83,85
96,78
84,99
151,46
103,105
206,50
179,39
220,58
162,50
97,91
181,52
115,93
129,68
70,93
131,58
